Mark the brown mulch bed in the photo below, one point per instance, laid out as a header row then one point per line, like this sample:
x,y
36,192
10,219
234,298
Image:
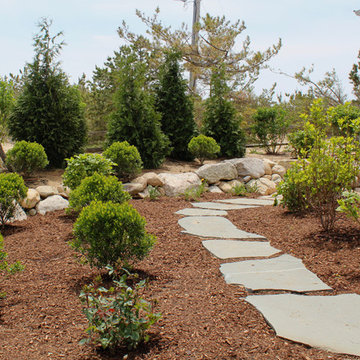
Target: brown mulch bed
x,y
202,317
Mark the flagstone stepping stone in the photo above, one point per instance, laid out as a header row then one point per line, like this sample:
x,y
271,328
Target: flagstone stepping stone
x,y
330,323
201,212
227,249
214,226
219,206
281,273
247,201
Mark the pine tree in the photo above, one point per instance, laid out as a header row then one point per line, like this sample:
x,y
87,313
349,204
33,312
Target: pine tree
x,y
175,106
220,121
49,110
135,119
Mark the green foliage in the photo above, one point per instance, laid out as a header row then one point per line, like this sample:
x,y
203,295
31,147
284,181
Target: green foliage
x,y
135,119
349,204
239,190
109,234
97,187
203,147
194,193
220,121
117,316
12,190
154,192
126,157
302,140
318,182
354,77
5,267
49,111
175,107
293,188
81,166
270,127
345,119
27,157
7,101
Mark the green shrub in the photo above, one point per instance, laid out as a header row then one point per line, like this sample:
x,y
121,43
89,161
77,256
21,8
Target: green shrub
x,y
81,166
97,187
117,316
293,188
302,141
26,157
270,127
111,234
203,147
349,204
12,190
126,157
154,192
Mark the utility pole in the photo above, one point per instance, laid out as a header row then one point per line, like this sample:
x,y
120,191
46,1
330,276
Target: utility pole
x,y
195,40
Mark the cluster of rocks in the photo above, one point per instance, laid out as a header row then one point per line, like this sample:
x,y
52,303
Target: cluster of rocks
x,y
41,200
260,174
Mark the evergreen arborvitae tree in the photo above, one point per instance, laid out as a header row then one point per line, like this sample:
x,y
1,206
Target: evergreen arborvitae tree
x,y
49,110
176,107
220,121
135,119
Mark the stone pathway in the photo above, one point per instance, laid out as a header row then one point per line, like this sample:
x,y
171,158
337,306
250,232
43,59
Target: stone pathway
x,y
328,322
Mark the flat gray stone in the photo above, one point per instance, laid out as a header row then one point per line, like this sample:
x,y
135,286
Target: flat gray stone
x,y
330,323
227,249
219,206
214,226
201,212
247,201
282,273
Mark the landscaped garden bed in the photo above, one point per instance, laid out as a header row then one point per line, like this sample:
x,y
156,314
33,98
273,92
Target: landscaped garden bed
x,y
202,317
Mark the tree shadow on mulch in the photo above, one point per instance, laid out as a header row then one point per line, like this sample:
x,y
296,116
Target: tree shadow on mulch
x,y
11,229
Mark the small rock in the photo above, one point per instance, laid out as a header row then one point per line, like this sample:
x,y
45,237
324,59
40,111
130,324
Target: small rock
x,y
267,177
246,179
32,198
19,214
268,164
133,188
140,180
276,178
214,189
32,212
225,187
278,169
152,179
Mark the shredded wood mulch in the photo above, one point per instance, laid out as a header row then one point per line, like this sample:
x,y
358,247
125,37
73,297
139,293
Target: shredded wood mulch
x,y
202,316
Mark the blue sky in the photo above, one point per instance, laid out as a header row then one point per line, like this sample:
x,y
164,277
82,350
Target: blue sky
x,y
325,33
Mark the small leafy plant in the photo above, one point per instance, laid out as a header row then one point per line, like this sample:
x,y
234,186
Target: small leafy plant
x,y
117,316
26,157
97,187
12,190
111,234
126,157
239,190
154,192
81,166
194,193
203,147
349,204
5,267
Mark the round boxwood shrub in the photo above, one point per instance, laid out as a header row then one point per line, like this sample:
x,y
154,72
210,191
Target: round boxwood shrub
x,y
203,147
26,157
111,234
12,190
81,166
126,157
97,187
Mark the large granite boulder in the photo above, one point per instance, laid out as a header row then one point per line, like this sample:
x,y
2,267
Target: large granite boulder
x,y
177,184
134,188
52,203
32,198
152,179
213,173
249,167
